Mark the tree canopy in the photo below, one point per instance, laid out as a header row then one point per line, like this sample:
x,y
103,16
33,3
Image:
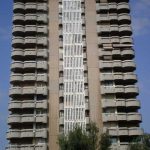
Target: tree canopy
x,y
79,139
141,143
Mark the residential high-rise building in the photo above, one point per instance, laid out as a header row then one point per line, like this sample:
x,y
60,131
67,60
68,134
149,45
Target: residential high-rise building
x,y
72,63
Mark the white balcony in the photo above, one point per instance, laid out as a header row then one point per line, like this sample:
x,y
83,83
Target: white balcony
x,y
17,41
105,64
132,90
28,104
124,17
31,6
30,28
119,89
118,131
121,103
104,40
86,92
126,39
108,89
134,117
112,6
25,133
18,17
29,90
121,146
87,120
135,131
42,65
17,65
34,104
103,28
17,53
27,118
117,64
42,29
87,106
125,28
113,103
106,76
118,76
102,17
42,53
13,134
61,79
85,79
132,103
102,6
18,6
113,17
130,76
29,64
61,120
13,119
29,52
27,147
42,18
30,40
29,77
116,52
121,117
35,77
42,6
61,106
42,104
42,90
112,89
15,91
16,78
42,77
129,65
108,103
127,53
61,93
114,117
42,41
18,29
115,39
31,17
85,67
114,28
123,6
109,117
15,104
41,133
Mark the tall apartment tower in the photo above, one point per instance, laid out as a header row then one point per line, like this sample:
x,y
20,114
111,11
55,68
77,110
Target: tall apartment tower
x,y
72,63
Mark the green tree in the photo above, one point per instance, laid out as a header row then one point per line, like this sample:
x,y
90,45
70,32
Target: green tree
x,y
105,142
79,139
141,143
75,140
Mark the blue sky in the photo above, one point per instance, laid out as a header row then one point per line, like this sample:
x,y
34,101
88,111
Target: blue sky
x,y
141,26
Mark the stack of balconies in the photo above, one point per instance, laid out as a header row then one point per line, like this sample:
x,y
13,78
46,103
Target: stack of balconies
x,y
28,107
117,77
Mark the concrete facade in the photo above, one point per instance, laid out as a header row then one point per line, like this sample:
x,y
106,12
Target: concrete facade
x,y
72,62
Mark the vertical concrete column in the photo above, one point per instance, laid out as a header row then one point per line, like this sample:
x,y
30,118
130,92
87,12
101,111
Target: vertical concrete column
x,y
53,74
93,63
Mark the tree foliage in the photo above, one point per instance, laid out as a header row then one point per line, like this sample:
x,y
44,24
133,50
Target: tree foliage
x,y
105,142
141,143
79,139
